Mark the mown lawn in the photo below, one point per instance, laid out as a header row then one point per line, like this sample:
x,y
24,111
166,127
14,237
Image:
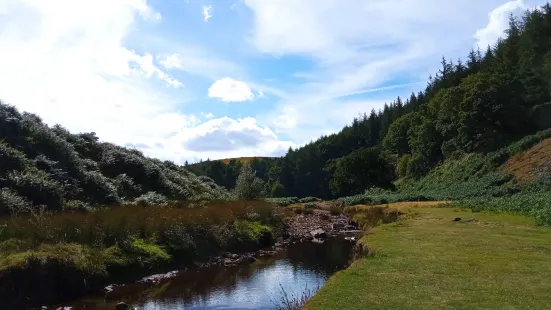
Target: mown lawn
x,y
428,261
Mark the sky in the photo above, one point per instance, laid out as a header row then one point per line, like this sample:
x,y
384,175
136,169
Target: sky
x,y
184,80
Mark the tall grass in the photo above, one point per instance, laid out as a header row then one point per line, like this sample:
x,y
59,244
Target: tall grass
x,y
73,251
289,301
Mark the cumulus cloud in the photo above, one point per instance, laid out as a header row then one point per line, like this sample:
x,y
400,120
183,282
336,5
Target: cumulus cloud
x,y
358,47
228,89
206,12
207,115
498,22
226,134
172,61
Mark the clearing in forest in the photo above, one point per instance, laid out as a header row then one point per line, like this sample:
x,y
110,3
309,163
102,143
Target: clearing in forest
x,y
426,260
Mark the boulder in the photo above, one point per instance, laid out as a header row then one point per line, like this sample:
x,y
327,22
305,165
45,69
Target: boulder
x,y
318,233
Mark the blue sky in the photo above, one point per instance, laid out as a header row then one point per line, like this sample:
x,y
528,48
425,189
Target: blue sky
x,y
183,80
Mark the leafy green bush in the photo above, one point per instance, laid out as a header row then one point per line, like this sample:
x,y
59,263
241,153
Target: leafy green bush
x,y
11,203
37,188
150,199
283,201
311,205
309,199
12,159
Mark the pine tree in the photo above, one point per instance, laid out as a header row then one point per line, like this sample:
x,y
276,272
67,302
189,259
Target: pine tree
x,y
247,185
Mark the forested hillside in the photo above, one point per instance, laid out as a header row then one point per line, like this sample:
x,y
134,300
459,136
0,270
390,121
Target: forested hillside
x,y
480,104
43,166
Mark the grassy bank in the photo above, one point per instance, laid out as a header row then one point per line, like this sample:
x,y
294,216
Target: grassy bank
x,y
46,257
428,261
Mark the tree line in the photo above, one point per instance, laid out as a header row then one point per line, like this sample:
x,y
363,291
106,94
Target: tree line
x,y
495,96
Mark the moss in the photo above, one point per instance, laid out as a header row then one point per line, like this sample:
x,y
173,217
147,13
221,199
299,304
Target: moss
x,y
149,250
251,230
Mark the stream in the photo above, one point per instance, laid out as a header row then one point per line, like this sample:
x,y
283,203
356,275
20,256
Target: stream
x,y
250,286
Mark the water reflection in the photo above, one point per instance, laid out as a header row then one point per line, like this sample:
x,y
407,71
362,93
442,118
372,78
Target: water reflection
x,y
252,286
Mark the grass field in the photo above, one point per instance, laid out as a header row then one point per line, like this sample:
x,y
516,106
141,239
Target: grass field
x,y
427,261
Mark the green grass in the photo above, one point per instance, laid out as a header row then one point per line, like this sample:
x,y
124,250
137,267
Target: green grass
x,y
427,261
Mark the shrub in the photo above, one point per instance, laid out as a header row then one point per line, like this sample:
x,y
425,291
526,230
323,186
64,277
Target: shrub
x,y
12,159
336,208
11,203
311,205
98,189
309,199
283,201
37,188
150,199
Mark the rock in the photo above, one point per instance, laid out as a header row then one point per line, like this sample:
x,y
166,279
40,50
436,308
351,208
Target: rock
x,y
351,239
156,278
320,241
228,262
233,256
457,219
318,233
337,226
251,259
122,306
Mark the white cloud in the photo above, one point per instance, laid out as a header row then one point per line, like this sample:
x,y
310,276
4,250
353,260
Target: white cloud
x,y
498,23
357,47
172,61
196,61
220,138
206,12
228,89
68,64
261,94
207,115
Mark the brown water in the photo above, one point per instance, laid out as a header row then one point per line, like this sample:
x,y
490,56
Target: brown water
x,y
254,286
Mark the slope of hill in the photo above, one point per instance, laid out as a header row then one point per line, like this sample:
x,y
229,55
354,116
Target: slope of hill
x,y
49,166
495,97
531,165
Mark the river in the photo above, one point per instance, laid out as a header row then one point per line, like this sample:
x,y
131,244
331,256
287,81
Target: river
x,y
254,286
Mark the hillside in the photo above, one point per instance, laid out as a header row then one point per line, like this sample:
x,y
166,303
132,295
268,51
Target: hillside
x,y
470,108
49,166
531,165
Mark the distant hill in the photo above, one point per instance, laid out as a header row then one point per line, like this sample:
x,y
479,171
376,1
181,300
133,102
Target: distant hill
x,y
491,98
244,160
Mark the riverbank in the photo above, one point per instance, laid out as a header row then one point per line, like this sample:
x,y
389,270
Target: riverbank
x,y
442,258
45,258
